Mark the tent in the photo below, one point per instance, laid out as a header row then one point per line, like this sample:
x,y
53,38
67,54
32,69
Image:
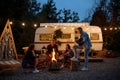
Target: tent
x,y
8,53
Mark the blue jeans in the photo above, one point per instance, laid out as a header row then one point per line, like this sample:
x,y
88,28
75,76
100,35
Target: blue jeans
x,y
25,63
86,53
77,53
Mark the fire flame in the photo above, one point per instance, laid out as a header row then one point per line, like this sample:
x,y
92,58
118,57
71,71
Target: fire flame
x,y
53,55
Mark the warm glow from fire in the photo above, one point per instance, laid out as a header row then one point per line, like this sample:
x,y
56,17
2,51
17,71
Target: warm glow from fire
x,y
53,55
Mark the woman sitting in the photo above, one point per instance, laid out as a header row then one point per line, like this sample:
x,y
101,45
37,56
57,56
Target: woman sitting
x,y
30,59
67,55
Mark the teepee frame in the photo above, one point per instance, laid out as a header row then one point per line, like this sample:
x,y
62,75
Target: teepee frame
x,y
8,27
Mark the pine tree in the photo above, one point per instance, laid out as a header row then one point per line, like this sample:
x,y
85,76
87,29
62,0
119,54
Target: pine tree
x,y
48,12
114,9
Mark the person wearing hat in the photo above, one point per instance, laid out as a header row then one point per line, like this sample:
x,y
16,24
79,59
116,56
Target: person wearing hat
x,y
85,42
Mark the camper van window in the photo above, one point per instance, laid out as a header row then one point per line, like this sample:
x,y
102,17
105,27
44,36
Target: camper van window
x,y
45,37
94,36
66,36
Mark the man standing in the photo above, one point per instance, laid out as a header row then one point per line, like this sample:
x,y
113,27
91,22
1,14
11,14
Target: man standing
x,y
86,43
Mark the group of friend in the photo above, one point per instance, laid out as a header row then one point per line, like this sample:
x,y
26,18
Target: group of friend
x,y
84,41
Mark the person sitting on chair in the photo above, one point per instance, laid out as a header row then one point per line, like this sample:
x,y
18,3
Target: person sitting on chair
x,y
30,59
50,48
67,54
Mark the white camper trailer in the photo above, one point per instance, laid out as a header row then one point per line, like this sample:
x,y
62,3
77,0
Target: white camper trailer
x,y
44,34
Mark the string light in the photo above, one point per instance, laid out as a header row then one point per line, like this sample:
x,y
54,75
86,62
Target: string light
x,y
105,29
111,28
115,28
11,22
23,24
45,26
72,28
35,25
87,29
55,27
64,27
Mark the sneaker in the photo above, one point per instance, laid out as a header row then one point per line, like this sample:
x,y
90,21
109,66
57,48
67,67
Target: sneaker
x,y
62,66
35,71
84,69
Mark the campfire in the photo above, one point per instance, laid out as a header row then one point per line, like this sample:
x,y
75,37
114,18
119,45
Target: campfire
x,y
53,56
53,64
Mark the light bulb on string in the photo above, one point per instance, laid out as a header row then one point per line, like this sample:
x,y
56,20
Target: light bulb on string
x,y
23,24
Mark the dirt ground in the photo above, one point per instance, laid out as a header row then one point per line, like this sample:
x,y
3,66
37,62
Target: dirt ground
x,y
109,69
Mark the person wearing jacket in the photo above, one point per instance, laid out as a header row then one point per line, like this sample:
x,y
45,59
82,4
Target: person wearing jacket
x,y
86,44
